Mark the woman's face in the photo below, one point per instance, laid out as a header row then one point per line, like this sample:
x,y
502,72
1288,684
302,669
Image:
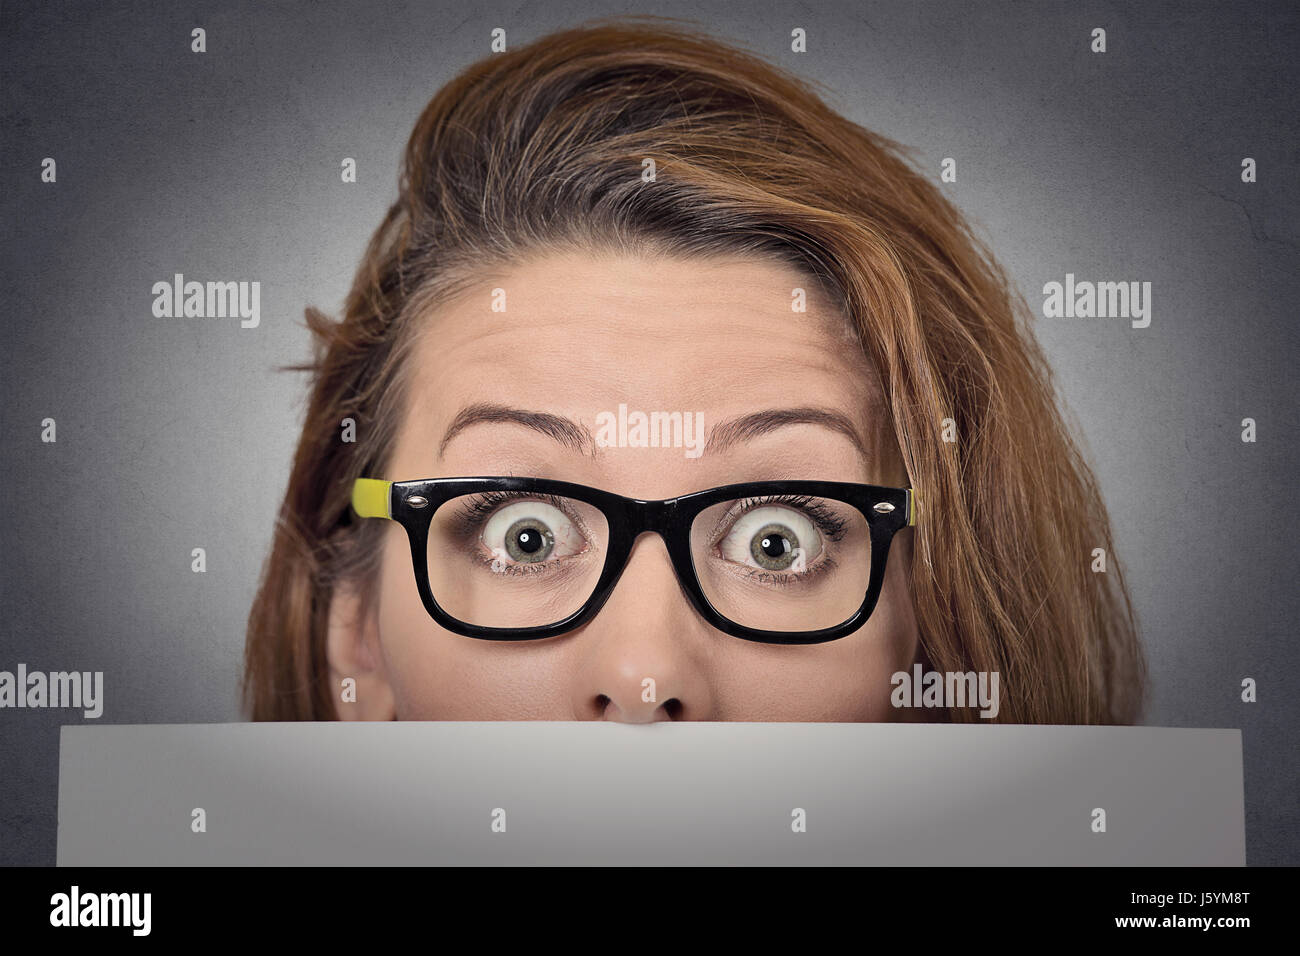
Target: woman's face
x,y
580,335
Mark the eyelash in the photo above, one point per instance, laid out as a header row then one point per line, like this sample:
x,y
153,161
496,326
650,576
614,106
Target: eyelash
x,y
793,579
473,514
468,521
825,519
821,516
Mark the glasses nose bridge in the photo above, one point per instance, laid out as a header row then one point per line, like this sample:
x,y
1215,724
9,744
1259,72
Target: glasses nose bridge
x,y
660,518
653,516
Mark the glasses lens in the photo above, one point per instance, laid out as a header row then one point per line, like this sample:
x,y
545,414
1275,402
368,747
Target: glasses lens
x,y
783,562
514,559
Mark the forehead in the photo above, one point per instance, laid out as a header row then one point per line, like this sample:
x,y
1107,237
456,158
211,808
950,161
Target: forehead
x,y
585,336
670,333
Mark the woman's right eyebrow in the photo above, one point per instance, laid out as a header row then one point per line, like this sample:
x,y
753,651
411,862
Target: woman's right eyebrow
x,y
568,433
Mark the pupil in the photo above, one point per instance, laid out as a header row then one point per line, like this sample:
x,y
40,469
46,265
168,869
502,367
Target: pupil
x,y
529,540
772,547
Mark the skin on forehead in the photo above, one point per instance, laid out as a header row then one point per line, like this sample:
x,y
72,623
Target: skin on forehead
x,y
580,336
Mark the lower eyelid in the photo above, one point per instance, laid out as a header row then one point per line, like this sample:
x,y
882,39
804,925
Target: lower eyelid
x,y
748,571
485,560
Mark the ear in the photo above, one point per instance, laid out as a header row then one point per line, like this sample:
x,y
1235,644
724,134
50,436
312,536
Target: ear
x,y
353,651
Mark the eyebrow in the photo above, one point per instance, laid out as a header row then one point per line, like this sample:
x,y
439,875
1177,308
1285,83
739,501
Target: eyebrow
x,y
745,427
568,433
722,436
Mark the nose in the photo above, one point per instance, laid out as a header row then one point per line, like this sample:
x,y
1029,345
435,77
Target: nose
x,y
644,657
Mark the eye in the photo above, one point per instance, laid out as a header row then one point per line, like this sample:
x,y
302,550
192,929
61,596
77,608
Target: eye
x,y
773,538
531,532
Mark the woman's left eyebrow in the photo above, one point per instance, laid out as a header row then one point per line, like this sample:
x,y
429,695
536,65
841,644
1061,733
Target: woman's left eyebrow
x,y
747,427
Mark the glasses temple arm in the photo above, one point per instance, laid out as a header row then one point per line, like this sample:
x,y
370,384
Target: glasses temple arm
x,y
370,498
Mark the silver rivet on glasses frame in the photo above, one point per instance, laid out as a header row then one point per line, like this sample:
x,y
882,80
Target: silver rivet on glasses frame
x,y
415,501
883,508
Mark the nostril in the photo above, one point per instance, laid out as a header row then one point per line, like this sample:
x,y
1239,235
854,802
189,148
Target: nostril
x,y
673,708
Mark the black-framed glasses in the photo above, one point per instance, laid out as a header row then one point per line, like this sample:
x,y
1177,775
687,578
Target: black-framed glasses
x,y
514,558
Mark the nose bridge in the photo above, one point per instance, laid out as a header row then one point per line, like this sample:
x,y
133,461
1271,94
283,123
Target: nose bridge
x,y
650,517
646,630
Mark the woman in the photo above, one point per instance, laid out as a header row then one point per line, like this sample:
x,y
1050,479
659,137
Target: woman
x,y
627,265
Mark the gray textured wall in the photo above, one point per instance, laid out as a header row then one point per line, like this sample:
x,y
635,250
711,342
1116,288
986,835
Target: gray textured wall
x,y
177,434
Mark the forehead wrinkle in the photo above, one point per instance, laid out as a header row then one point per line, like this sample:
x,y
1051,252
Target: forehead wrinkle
x,y
606,339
